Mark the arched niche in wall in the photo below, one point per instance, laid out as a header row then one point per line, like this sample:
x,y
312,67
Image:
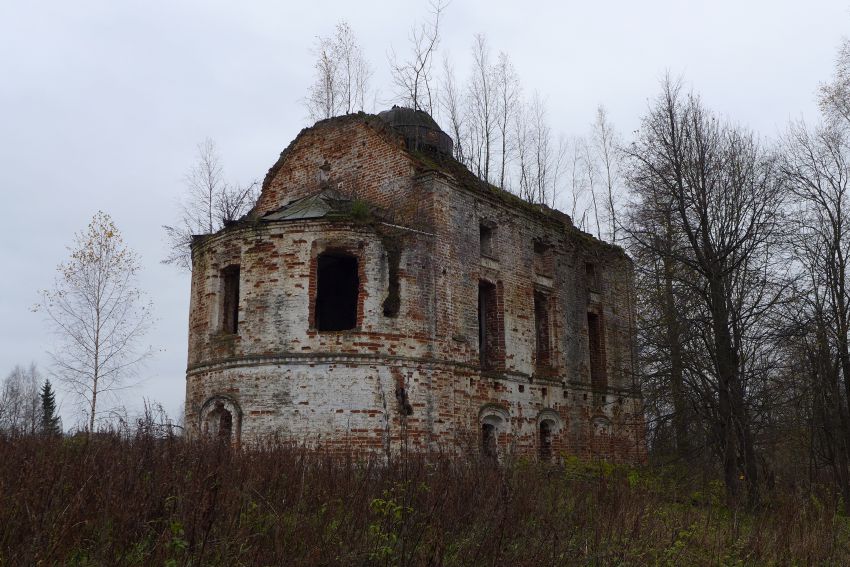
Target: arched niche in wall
x,y
493,420
221,418
549,424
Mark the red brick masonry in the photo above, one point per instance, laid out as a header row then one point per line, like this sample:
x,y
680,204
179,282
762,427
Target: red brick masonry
x,y
415,375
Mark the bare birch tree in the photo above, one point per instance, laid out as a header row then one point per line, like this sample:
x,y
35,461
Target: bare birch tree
x,y
578,183
508,92
210,202
452,108
605,145
342,77
412,76
523,153
323,97
99,315
540,161
591,172
543,156
483,98
354,69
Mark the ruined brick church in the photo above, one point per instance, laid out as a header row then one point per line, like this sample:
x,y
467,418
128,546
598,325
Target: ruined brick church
x,y
381,294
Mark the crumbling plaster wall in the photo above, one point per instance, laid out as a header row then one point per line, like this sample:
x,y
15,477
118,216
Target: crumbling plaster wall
x,y
277,287
341,387
564,386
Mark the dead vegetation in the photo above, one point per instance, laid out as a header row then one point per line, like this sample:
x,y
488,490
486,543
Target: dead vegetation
x,y
147,500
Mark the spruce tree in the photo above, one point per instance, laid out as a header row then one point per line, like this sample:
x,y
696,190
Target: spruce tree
x,y
49,419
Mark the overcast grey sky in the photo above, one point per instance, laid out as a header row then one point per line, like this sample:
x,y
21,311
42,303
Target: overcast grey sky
x,y
103,103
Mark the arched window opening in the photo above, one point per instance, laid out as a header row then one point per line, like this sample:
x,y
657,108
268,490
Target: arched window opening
x,y
221,419
494,421
219,423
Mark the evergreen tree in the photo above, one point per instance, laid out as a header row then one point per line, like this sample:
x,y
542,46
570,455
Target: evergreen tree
x,y
49,419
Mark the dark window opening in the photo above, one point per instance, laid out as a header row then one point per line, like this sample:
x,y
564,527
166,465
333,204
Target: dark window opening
x,y
225,425
596,345
392,303
486,235
541,327
337,288
488,325
230,300
488,440
590,273
403,402
545,441
220,423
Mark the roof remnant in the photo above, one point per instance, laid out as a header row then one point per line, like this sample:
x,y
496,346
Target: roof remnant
x,y
420,131
313,206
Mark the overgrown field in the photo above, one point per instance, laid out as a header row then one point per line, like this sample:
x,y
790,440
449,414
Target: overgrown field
x,y
145,501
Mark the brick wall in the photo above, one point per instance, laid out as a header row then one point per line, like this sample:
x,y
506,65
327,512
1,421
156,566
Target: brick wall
x,y
415,376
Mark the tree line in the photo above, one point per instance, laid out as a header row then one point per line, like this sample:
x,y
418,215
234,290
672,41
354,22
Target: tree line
x,y
28,403
740,246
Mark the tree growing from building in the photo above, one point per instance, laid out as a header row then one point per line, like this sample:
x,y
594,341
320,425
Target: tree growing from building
x,y
341,84
210,202
412,76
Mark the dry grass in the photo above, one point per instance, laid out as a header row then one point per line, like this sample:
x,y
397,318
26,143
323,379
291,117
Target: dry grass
x,y
146,501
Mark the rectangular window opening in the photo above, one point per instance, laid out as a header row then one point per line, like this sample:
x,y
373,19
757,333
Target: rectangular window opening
x,y
337,290
392,303
591,275
541,326
596,345
486,236
230,300
488,325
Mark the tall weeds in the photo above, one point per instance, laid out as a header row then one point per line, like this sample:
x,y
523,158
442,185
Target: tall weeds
x,y
143,500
